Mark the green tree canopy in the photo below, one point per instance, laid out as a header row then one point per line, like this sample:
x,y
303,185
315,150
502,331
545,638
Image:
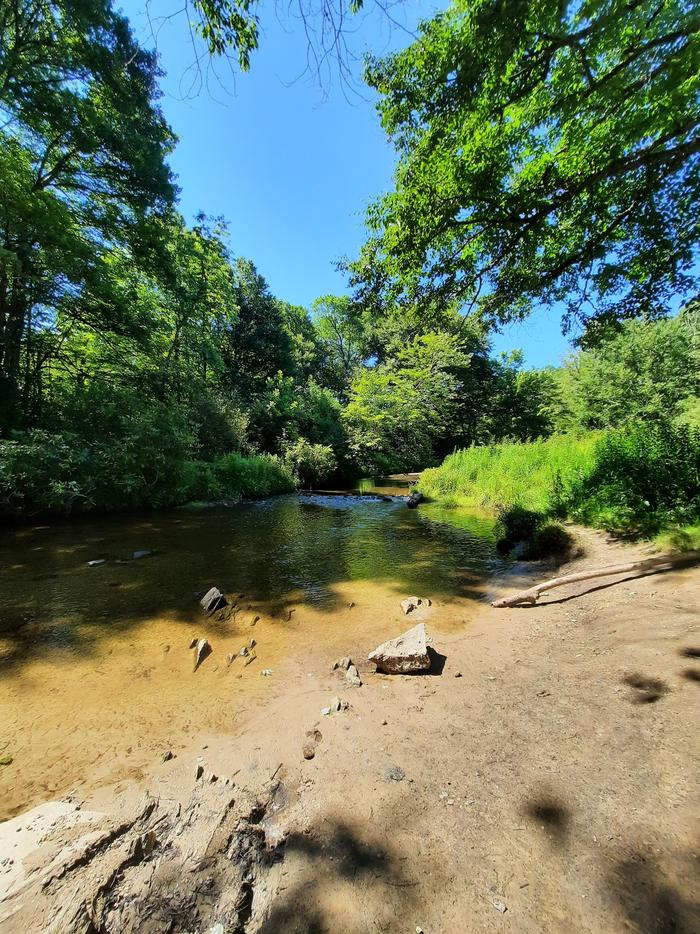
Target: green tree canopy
x,y
547,152
82,169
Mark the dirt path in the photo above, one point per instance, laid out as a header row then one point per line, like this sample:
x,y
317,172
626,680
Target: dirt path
x,y
551,787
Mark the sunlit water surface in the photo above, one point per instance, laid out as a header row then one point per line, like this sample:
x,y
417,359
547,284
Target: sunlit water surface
x,y
96,675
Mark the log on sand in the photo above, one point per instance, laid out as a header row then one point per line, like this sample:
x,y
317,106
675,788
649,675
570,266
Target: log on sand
x,y
657,563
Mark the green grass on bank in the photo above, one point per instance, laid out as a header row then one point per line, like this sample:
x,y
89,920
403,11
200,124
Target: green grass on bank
x,y
642,480
501,475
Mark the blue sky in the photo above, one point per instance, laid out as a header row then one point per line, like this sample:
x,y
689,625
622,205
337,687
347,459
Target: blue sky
x,y
290,164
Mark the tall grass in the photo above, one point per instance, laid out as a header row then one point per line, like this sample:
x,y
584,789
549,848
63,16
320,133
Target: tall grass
x,y
502,475
640,480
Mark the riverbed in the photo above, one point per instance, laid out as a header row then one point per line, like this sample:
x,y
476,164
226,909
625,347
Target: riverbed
x,y
97,674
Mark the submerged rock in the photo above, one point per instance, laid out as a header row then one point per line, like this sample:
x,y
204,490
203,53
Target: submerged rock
x,y
405,654
213,600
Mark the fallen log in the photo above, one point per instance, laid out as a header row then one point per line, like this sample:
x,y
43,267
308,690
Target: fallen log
x,y
657,563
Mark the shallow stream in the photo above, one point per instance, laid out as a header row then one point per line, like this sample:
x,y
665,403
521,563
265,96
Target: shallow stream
x,y
96,677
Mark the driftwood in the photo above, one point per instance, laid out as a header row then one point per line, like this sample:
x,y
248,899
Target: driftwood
x,y
657,563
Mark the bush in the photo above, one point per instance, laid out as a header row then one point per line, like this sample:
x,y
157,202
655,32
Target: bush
x,y
645,477
259,475
311,464
60,473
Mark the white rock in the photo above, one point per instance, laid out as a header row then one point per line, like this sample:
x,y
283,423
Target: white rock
x,y
407,653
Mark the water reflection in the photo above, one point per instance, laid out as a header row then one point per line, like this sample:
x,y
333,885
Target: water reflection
x,y
291,547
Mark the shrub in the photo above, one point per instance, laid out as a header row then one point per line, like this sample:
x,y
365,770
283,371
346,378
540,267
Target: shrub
x,y
259,475
311,464
644,477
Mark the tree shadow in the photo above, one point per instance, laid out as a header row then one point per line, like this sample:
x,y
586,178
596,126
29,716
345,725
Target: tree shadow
x,y
334,854
651,903
645,690
551,813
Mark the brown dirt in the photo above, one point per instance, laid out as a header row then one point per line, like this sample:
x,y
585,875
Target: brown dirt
x,y
550,788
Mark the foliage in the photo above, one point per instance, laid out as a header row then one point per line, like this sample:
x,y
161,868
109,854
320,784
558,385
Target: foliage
x,y
399,410
506,474
310,464
44,472
547,152
82,163
644,371
639,480
644,477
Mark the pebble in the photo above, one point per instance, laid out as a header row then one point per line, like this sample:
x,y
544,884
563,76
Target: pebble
x,y
167,756
458,674
395,774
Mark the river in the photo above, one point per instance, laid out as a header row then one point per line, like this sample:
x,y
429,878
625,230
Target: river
x,y
97,678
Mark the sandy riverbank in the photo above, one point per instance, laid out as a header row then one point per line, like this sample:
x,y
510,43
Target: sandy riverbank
x,y
551,787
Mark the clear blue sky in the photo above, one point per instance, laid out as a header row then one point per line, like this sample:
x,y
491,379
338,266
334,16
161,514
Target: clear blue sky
x,y
290,164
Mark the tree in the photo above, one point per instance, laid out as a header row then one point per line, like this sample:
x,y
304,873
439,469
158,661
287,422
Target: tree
x,y
547,151
82,170
400,411
648,371
343,335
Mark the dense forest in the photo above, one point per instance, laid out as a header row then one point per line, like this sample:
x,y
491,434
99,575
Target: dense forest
x,y
545,154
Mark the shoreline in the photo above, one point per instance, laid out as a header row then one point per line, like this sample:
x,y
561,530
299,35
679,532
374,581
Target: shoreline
x,y
522,782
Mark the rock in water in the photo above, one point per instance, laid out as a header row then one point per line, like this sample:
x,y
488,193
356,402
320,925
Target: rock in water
x,y
213,600
352,676
201,651
143,553
414,499
403,655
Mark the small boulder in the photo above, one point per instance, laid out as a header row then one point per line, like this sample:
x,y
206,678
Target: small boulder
x,y
143,553
414,499
167,756
408,653
199,770
213,600
202,650
343,663
352,677
412,603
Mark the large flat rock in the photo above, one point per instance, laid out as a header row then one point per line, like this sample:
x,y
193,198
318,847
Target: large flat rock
x,y
406,654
